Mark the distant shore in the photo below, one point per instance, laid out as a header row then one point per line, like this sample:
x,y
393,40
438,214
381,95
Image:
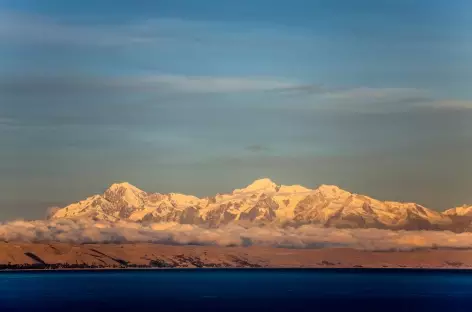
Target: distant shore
x,y
143,256
340,269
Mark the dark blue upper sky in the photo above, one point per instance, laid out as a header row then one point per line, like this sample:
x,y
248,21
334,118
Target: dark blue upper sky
x,y
205,96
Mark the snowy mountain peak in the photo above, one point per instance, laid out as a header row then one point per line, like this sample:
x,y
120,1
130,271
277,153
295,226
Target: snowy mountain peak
x,y
125,195
262,202
331,190
293,189
463,210
124,186
262,185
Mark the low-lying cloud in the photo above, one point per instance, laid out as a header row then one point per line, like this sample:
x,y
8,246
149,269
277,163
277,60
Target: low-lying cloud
x,y
308,236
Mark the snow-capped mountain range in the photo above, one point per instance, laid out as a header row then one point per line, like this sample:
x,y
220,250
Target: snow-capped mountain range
x,y
265,202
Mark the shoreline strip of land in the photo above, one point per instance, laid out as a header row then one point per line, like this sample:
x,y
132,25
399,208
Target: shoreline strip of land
x,y
62,256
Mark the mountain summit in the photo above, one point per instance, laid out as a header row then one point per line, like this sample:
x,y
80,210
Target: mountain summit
x,y
260,185
263,202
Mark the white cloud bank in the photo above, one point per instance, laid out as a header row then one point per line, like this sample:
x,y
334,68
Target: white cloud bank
x,y
308,236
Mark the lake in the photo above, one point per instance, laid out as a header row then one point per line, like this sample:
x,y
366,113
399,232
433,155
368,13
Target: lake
x,y
237,290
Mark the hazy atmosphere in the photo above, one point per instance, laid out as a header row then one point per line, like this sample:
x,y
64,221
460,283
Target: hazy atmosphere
x,y
373,96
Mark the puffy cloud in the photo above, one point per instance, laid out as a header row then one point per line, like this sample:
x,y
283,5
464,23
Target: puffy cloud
x,y
308,236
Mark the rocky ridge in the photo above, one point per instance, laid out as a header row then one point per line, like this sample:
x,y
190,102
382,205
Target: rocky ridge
x,y
263,202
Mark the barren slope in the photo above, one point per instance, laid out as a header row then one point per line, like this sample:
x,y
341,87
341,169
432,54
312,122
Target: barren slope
x,y
55,255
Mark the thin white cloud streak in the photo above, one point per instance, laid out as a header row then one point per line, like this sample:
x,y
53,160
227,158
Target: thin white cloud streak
x,y
357,98
202,84
158,83
449,104
375,93
21,28
206,84
308,236
369,99
288,93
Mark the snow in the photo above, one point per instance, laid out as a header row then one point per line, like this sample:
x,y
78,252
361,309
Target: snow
x,y
125,185
459,211
334,204
332,191
183,200
291,189
132,194
259,185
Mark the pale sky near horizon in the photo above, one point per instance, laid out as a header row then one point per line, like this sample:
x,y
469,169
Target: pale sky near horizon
x,y
206,96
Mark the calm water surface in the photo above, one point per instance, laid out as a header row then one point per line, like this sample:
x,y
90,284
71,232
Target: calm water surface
x,y
237,290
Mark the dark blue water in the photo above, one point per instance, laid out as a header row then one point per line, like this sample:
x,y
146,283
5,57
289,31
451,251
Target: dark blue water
x,y
237,290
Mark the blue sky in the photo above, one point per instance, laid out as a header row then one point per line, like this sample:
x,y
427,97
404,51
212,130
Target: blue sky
x,y
205,96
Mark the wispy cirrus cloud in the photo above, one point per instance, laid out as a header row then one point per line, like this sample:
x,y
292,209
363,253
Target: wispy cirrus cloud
x,y
374,93
158,83
450,104
291,93
216,84
22,28
370,99
357,98
178,35
351,92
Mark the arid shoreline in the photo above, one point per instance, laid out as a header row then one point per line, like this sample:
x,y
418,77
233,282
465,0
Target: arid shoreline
x,y
61,256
